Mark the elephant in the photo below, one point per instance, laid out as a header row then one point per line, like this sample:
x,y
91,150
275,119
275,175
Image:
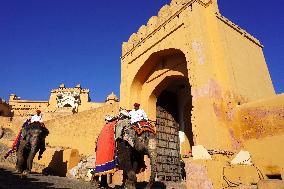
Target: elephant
x,y
131,151
32,141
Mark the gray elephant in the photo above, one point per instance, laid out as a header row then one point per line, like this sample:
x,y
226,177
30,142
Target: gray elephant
x,y
32,141
131,148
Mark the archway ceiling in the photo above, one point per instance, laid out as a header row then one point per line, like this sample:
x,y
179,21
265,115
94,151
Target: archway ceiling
x,y
155,60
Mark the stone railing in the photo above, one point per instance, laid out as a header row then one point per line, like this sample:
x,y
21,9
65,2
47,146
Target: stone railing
x,y
155,23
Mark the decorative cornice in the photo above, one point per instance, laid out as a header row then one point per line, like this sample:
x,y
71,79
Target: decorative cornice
x,y
238,29
155,23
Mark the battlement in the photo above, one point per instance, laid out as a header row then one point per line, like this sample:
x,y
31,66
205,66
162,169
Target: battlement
x,y
76,89
155,23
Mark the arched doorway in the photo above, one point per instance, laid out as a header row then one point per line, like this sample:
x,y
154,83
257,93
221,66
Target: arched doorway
x,y
173,109
162,87
67,105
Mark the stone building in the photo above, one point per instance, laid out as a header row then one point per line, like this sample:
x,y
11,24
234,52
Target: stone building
x,y
205,81
62,101
21,107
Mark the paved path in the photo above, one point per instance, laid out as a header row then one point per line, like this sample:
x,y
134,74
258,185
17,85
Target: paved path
x,y
11,180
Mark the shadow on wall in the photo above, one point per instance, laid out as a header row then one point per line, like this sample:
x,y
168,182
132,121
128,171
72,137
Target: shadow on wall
x,y
56,167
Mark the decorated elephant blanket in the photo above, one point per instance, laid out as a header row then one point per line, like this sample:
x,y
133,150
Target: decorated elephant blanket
x,y
105,152
15,144
144,126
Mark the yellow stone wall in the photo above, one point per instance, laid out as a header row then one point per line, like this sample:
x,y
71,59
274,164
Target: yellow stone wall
x,y
79,131
244,57
262,133
25,107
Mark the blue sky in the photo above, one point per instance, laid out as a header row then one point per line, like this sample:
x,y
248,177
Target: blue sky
x,y
45,43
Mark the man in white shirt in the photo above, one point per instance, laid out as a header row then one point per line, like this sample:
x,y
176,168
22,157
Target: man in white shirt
x,y
137,114
37,117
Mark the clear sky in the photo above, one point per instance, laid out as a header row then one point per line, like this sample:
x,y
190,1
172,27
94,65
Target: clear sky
x,y
48,42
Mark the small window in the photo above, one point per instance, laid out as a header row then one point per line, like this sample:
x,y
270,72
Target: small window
x,y
275,177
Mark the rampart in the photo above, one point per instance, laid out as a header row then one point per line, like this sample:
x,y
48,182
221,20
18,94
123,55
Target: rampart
x,y
79,131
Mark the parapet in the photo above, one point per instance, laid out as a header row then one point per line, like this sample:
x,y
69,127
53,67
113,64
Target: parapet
x,y
165,14
77,89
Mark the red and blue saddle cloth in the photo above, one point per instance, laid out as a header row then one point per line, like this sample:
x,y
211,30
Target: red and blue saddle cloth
x,y
15,144
106,159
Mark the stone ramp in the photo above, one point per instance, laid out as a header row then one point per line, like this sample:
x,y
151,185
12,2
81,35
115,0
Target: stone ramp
x,y
10,180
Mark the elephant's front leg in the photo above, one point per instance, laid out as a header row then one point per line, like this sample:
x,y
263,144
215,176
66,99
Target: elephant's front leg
x,y
152,153
125,163
30,159
21,157
20,162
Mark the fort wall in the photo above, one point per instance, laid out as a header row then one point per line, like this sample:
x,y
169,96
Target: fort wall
x,y
79,131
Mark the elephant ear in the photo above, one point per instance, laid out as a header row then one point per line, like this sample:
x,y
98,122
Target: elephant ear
x,y
45,131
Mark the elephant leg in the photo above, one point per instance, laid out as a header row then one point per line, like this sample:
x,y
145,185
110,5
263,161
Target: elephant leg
x,y
124,158
152,153
95,181
20,162
135,165
30,160
124,179
21,157
126,164
131,181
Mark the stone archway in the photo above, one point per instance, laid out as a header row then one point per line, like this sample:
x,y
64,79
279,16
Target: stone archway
x,y
162,86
